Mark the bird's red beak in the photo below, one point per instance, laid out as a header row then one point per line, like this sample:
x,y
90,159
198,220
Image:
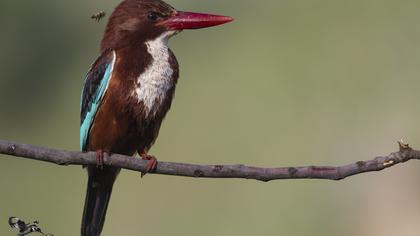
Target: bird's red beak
x,y
190,20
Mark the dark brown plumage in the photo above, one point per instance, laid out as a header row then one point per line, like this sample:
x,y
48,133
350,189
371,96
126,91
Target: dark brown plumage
x,y
121,124
127,27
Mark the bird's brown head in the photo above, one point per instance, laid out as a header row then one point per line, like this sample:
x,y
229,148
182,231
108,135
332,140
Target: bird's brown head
x,y
136,21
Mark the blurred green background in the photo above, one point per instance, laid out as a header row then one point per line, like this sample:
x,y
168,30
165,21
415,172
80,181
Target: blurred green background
x,y
290,82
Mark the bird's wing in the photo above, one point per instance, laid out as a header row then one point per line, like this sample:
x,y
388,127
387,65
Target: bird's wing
x,y
94,88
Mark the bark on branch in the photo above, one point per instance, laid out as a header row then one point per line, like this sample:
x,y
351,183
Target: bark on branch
x,y
61,157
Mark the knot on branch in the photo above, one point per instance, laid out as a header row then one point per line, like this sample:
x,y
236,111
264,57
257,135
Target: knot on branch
x,y
403,146
198,173
12,148
405,152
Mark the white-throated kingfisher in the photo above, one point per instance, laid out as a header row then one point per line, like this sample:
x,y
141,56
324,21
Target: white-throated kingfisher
x,y
128,91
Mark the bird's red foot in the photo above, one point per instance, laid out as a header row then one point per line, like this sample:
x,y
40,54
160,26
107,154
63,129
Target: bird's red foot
x,y
151,164
99,159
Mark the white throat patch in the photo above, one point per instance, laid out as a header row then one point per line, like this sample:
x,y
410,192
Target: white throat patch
x,y
156,80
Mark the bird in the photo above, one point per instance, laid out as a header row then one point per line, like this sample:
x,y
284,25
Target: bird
x,y
127,92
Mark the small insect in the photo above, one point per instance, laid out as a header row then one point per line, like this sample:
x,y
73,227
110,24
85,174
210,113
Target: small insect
x,y
98,16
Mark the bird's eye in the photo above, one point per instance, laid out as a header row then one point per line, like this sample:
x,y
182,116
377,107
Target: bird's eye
x,y
152,16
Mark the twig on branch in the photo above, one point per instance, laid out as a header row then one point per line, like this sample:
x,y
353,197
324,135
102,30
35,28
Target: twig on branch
x,y
61,157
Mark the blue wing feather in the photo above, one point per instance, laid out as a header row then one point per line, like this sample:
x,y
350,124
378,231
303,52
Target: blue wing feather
x,y
94,88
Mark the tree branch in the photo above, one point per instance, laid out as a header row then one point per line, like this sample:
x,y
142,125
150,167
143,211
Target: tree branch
x,y
61,157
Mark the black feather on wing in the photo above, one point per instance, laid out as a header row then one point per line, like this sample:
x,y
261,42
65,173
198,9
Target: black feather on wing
x,y
93,91
92,82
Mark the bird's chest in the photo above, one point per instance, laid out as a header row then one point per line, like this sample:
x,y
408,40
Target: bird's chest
x,y
153,86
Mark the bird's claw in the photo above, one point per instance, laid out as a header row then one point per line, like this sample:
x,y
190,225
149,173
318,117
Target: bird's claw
x,y
151,163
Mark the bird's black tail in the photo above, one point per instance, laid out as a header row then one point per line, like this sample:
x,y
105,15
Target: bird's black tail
x,y
98,193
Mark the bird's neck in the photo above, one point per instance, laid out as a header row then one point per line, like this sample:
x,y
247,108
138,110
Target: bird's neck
x,y
155,73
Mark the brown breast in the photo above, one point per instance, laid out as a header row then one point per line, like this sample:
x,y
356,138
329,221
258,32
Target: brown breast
x,y
121,124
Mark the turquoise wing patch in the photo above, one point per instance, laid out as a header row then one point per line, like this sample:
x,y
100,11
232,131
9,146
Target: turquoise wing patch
x,y
94,88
